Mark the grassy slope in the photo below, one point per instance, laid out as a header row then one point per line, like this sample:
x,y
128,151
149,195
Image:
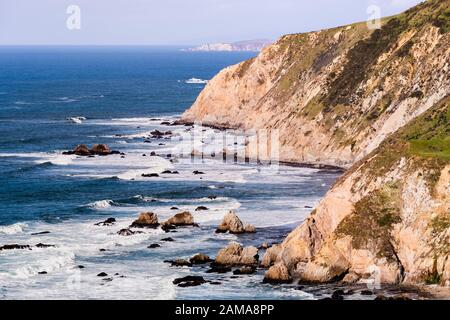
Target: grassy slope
x,y
425,143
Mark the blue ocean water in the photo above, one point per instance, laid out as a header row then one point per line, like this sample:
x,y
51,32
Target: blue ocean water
x,y
123,93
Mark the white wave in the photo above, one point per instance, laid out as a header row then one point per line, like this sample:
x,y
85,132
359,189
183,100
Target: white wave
x,y
43,262
77,120
196,81
13,228
101,204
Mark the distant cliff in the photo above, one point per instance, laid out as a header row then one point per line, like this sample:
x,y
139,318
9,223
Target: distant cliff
x,y
376,102
249,45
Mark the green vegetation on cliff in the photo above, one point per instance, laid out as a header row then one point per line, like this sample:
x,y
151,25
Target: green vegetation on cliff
x,y
425,145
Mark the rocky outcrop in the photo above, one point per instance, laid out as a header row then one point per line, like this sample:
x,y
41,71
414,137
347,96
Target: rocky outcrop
x,y
146,220
236,255
387,218
334,95
232,224
181,219
373,101
97,149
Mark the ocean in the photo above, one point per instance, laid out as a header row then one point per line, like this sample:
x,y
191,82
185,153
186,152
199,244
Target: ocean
x,y
54,98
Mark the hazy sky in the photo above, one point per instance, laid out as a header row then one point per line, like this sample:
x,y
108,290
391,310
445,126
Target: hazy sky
x,y
177,22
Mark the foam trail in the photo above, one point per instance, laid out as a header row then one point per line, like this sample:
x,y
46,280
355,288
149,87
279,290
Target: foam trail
x,y
13,228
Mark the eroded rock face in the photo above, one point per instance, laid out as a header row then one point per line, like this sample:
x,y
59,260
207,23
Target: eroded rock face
x,y
235,255
231,223
343,90
146,220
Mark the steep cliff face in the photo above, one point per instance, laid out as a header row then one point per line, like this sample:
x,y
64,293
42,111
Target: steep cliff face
x,y
376,102
335,95
390,213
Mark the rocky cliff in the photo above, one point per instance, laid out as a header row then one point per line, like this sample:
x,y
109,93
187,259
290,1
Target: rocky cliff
x,y
334,95
375,101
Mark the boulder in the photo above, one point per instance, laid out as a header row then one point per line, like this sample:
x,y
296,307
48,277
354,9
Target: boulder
x,y
218,268
107,222
179,263
200,258
146,220
82,150
127,232
101,149
249,228
235,255
201,208
245,270
154,246
181,219
231,223
278,273
271,255
189,281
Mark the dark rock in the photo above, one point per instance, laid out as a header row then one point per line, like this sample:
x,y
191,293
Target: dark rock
x,y
42,245
175,172
42,272
165,123
167,239
200,258
366,293
161,144
102,250
196,172
147,141
174,208
107,222
338,295
179,263
127,232
153,153
80,267
40,233
154,245
150,175
166,172
167,227
201,208
144,155
102,274
218,268
215,283
189,281
244,270
212,197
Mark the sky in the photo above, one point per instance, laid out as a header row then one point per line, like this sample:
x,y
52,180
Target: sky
x,y
175,22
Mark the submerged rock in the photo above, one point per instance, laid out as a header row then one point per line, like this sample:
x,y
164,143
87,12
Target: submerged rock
x,y
154,246
146,220
201,208
179,263
127,232
189,281
15,246
245,270
107,222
